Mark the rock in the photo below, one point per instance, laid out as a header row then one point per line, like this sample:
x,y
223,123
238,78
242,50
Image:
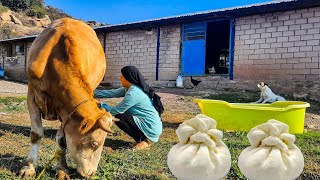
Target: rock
x,y
300,96
93,23
44,22
311,126
35,22
6,16
9,18
315,116
109,150
15,19
8,23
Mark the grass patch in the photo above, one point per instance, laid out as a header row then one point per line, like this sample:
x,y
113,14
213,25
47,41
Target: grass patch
x,y
13,104
122,163
119,162
126,164
3,8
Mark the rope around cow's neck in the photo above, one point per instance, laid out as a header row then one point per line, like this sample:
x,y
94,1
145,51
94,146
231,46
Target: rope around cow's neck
x,y
57,155
75,111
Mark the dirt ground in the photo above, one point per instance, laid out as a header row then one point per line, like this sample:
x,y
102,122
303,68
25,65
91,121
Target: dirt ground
x,y
175,99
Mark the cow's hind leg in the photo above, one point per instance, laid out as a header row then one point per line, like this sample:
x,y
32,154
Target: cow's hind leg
x,y
62,168
36,134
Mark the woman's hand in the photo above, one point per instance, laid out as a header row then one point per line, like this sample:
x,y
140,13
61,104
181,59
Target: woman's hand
x,y
105,106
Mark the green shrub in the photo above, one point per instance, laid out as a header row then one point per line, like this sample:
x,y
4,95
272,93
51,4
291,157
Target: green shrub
x,y
5,32
3,8
31,3
55,13
15,5
37,11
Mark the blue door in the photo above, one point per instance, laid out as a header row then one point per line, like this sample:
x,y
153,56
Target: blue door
x,y
1,71
193,49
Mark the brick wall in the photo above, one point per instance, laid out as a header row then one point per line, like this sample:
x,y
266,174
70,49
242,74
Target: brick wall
x,y
169,60
278,46
138,48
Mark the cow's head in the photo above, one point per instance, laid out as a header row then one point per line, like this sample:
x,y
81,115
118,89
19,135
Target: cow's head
x,y
85,142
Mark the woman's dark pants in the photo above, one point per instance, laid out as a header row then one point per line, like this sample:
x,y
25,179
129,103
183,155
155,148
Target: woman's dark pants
x,y
128,125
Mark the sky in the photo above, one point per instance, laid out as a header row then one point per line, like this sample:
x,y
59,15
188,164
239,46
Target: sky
x,y
126,11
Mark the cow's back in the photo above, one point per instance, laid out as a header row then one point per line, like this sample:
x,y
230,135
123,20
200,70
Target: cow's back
x,y
65,56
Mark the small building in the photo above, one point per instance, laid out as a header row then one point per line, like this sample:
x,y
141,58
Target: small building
x,y
276,42
13,54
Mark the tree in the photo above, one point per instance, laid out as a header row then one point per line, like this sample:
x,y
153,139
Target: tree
x,y
55,13
15,5
33,3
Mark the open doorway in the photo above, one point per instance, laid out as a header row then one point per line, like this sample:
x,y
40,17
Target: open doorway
x,y
217,47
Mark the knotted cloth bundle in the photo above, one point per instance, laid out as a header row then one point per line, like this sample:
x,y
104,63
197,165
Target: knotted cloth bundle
x,y
200,153
272,154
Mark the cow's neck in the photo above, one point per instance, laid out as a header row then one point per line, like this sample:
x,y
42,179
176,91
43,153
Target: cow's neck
x,y
82,104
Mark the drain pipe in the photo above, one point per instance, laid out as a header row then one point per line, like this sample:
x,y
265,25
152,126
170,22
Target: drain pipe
x,y
104,42
25,46
158,53
104,49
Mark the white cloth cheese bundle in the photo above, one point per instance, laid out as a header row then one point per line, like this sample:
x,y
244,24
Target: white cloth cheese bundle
x,y
272,154
200,153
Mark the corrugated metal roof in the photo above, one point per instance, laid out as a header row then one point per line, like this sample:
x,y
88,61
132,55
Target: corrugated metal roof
x,y
239,11
196,13
19,38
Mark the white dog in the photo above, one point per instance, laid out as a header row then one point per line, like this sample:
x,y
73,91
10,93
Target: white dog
x,y
267,95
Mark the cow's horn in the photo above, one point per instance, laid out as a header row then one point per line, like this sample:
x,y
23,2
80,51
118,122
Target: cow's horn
x,y
105,125
115,119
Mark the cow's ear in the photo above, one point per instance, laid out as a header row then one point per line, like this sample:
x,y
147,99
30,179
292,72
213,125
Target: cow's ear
x,y
86,125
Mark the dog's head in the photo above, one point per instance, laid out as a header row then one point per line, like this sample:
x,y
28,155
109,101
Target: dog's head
x,y
262,86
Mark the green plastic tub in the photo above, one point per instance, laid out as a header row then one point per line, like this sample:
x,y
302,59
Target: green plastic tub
x,y
244,116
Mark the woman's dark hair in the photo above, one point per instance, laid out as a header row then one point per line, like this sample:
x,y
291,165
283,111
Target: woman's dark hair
x,y
133,75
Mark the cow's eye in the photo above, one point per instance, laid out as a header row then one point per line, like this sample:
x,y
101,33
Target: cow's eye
x,y
95,144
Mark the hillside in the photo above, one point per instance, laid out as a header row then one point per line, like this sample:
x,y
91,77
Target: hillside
x,y
28,17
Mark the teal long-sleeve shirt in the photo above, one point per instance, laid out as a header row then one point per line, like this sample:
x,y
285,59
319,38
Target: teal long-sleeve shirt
x,y
139,105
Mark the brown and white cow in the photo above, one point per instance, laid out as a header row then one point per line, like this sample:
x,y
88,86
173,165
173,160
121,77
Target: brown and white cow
x,y
66,64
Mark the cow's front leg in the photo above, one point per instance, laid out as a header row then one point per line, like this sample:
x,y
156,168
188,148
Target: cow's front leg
x,y
36,134
62,167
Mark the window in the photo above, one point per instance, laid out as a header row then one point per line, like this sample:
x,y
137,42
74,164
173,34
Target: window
x,y
194,32
10,52
19,48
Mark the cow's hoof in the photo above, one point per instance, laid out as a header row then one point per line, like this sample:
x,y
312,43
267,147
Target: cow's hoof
x,y
27,171
63,174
